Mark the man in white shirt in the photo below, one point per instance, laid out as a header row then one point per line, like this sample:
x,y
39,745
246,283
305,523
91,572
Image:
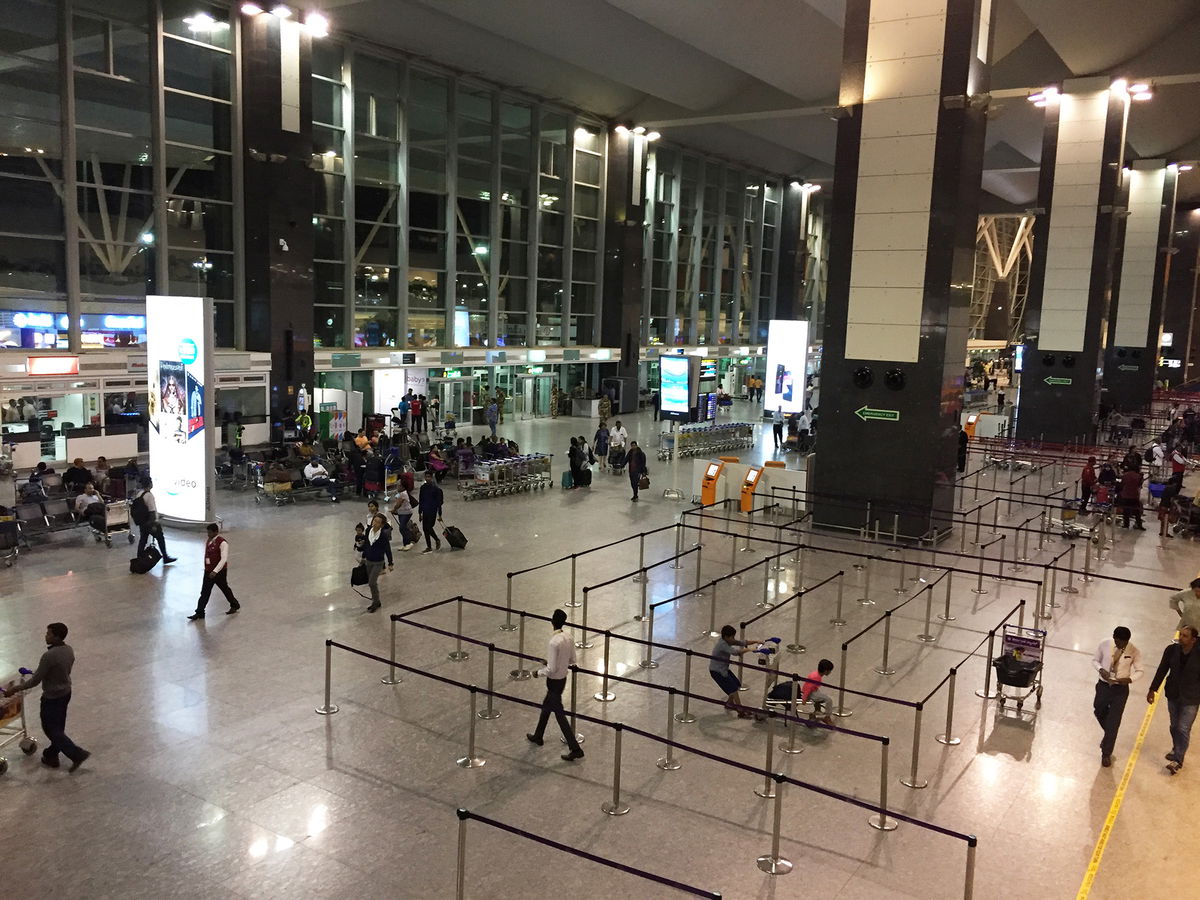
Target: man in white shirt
x,y
618,437
1187,604
86,499
1119,664
560,657
317,474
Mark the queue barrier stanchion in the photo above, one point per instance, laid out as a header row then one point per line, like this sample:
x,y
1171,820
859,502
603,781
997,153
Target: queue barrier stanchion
x,y
778,566
460,881
490,711
986,693
685,717
969,885
927,636
640,574
1043,611
669,763
699,551
574,703
979,588
862,543
948,737
328,709
999,576
944,615
841,712
645,581
520,673
616,807
795,646
392,677
471,761
1087,567
865,599
895,533
884,668
733,550
712,614
882,821
458,654
572,603
508,622
767,791
838,619
765,603
649,662
773,863
912,779
749,527
793,725
583,643
900,588
604,695
1070,588
742,658
675,563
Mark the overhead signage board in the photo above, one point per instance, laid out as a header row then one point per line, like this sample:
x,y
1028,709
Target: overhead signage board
x,y
179,362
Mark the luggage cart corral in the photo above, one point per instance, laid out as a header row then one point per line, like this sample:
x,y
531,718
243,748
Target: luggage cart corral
x,y
13,729
705,440
497,477
1019,668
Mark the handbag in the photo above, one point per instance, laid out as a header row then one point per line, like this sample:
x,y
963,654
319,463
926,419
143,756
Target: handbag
x,y
644,482
358,575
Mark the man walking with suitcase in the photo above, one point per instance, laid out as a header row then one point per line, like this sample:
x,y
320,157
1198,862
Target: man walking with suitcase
x,y
635,459
144,511
429,505
54,675
216,573
560,656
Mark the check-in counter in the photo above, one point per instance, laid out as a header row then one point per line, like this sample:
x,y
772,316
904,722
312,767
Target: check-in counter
x,y
119,442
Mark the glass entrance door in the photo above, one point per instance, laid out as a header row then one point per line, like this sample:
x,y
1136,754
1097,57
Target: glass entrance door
x,y
452,395
532,398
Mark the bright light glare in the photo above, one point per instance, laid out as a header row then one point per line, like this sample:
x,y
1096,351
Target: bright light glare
x,y
317,24
202,22
1185,167
621,130
252,9
1143,95
1140,88
582,134
639,129
653,136
281,12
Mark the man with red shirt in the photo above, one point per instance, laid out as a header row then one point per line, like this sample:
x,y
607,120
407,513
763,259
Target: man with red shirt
x,y
216,572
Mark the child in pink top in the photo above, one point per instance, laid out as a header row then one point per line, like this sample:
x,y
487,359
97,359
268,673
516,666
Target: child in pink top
x,y
811,692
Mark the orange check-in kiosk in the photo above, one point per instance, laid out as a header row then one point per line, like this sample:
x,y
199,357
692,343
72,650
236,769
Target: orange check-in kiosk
x,y
748,486
708,485
969,428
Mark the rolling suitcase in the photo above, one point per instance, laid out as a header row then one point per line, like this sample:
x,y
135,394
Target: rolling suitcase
x,y
145,561
454,537
616,459
585,478
567,481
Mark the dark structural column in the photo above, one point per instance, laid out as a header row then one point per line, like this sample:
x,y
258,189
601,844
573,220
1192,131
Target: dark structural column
x,y
902,248
1134,327
793,253
1070,281
624,255
277,135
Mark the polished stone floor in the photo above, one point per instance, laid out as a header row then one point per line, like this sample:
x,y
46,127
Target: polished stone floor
x,y
212,776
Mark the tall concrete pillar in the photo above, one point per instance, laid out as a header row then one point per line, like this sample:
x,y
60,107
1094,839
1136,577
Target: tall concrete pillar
x,y
1131,356
624,256
1071,279
277,130
902,247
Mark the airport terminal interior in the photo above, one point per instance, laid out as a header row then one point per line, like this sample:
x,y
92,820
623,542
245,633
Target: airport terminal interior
x,y
825,363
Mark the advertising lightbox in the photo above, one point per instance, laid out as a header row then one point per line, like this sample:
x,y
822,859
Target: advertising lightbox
x,y
787,361
179,343
674,391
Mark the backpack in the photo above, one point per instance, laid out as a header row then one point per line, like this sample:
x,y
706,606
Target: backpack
x,y
1148,456
140,510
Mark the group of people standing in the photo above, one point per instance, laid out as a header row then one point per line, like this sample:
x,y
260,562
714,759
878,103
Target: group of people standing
x,y
611,448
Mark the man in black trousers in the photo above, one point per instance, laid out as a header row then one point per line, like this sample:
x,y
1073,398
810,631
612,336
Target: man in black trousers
x,y
54,675
1119,664
560,656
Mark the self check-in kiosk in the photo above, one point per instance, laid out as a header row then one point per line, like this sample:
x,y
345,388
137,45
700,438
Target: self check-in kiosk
x,y
748,486
972,422
710,481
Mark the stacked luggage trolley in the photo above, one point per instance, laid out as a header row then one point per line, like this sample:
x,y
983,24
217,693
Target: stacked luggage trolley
x,y
705,440
13,729
498,477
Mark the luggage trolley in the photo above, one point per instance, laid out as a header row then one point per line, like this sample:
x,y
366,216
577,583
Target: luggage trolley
x,y
115,521
12,721
1019,666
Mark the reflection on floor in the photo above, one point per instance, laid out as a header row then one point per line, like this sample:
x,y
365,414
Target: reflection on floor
x,y
213,777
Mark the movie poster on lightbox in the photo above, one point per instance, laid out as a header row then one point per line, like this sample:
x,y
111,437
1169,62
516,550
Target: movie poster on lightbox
x,y
172,404
195,405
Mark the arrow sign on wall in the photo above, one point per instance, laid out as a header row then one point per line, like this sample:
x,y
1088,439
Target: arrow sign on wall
x,y
1128,368
1054,381
882,415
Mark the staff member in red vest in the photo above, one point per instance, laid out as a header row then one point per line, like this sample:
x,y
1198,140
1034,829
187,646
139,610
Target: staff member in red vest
x,y
216,572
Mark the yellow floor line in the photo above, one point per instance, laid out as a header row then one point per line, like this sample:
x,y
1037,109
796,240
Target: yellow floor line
x,y
1102,841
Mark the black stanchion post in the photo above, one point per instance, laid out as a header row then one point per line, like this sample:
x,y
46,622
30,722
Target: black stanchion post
x,y
615,807
508,622
841,712
772,863
471,761
458,654
392,677
881,821
604,695
461,878
520,673
328,709
948,737
669,763
490,712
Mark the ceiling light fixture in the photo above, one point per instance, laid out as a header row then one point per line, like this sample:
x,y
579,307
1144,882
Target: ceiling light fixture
x,y
639,129
202,23
1143,95
582,134
281,12
1185,167
1139,88
653,136
621,130
252,9
1120,85
317,25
